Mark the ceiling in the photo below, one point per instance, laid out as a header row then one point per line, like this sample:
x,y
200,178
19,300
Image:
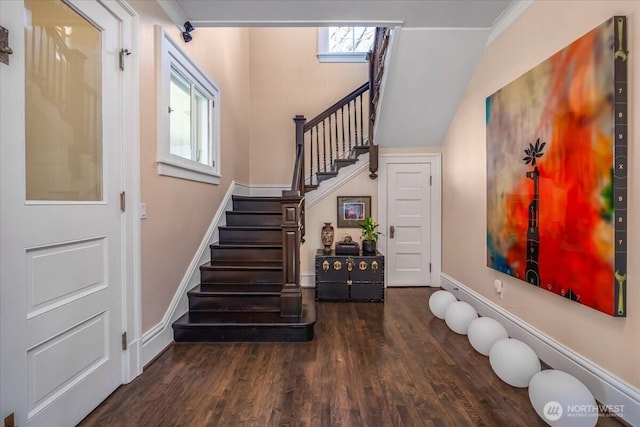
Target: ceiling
x,y
409,14
435,49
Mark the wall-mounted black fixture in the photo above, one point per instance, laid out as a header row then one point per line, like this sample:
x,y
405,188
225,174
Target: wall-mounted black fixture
x,y
186,34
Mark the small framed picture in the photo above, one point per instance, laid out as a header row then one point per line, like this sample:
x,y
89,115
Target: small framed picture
x,y
352,210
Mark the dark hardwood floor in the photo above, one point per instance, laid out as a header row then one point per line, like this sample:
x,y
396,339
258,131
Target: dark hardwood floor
x,y
370,364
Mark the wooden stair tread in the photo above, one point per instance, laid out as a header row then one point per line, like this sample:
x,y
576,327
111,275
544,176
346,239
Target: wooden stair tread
x,y
252,245
236,289
242,264
242,318
251,227
349,161
256,198
256,212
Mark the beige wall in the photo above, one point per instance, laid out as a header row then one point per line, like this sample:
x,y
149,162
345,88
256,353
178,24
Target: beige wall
x,y
543,29
326,211
287,79
180,211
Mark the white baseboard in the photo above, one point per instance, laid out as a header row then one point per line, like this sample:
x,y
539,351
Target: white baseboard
x,y
161,335
606,387
308,280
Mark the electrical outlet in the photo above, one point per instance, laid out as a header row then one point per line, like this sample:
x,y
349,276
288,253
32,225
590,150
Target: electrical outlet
x,y
499,287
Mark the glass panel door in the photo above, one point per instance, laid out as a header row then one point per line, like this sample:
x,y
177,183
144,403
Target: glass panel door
x,y
63,104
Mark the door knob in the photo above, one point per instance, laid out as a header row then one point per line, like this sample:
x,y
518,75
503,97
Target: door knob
x,y
392,231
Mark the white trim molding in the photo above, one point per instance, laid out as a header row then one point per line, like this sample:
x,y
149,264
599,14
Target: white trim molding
x,y
160,336
174,12
508,17
607,388
131,254
170,59
435,160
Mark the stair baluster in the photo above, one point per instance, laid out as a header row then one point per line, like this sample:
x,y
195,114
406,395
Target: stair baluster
x,y
349,122
344,150
330,145
311,159
361,123
324,147
317,151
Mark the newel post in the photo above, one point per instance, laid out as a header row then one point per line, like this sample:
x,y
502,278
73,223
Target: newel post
x,y
291,294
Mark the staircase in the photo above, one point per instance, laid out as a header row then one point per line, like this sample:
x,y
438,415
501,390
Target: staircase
x,y
250,290
239,295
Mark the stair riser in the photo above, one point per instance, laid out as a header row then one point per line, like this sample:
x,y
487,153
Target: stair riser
x,y
243,334
228,254
244,236
240,276
234,218
257,205
220,288
234,303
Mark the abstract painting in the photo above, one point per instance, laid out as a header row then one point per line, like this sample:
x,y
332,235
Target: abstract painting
x,y
556,172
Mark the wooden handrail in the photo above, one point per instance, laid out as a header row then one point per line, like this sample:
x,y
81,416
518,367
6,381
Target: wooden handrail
x,y
376,59
335,107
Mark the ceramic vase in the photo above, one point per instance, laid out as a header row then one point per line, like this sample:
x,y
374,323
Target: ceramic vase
x,y
327,237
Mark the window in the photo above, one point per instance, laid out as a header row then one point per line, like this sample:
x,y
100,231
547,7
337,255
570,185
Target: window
x,y
189,116
345,44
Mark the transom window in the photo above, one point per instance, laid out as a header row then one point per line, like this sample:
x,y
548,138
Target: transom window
x,y
344,44
189,117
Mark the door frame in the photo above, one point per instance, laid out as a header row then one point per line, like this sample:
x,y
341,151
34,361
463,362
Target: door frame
x,y
435,161
130,160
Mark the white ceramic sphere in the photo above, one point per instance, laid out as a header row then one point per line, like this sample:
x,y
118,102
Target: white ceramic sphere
x,y
513,361
459,315
561,400
439,302
483,332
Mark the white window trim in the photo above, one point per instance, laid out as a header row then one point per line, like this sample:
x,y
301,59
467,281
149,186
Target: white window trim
x,y
167,52
325,56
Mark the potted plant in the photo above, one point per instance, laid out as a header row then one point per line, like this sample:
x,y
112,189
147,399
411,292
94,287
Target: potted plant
x,y
369,236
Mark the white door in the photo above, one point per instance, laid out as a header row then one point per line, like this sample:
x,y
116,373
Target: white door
x,y
61,278
408,254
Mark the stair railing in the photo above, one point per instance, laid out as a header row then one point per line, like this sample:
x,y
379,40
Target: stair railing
x,y
376,57
331,135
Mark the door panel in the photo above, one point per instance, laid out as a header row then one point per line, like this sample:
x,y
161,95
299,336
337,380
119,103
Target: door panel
x,y
61,234
408,211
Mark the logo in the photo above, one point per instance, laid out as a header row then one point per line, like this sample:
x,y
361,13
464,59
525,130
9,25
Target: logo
x,y
552,411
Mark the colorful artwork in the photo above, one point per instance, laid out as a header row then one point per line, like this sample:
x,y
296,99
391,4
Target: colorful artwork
x,y
556,172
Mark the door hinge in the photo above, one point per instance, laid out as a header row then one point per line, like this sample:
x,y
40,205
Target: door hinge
x,y
429,267
430,180
124,340
122,201
5,49
123,53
